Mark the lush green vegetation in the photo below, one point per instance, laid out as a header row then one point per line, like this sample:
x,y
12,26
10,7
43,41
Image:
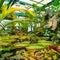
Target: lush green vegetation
x,y
35,36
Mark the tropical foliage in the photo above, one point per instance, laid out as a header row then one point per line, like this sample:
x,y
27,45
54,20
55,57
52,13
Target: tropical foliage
x,y
30,34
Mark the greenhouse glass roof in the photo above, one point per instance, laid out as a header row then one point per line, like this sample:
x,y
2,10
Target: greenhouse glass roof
x,y
37,1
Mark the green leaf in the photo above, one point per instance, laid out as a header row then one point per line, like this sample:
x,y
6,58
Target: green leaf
x,y
56,2
1,3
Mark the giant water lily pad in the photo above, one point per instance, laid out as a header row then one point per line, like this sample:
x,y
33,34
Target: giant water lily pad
x,y
7,54
20,45
14,36
44,38
43,42
35,46
8,40
3,43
